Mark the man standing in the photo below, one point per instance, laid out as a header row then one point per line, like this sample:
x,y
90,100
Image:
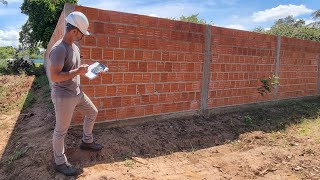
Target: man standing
x,y
63,70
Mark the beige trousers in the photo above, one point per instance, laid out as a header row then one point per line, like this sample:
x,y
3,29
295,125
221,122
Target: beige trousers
x,y
64,108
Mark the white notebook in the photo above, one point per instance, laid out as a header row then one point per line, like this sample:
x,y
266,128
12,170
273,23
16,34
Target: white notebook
x,y
94,69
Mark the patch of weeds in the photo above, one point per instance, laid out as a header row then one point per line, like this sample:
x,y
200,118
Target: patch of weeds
x,y
17,154
129,162
248,120
192,148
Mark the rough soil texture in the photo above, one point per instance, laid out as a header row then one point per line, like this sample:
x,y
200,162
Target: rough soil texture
x,y
223,146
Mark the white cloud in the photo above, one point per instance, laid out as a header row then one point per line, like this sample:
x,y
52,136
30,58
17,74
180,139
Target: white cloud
x,y
9,38
309,21
236,26
280,11
153,15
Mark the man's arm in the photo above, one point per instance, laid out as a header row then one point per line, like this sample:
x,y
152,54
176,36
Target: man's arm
x,y
56,74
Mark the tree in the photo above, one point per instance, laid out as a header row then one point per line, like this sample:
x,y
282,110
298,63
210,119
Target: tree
x,y
291,27
7,52
259,29
193,19
43,17
316,17
4,2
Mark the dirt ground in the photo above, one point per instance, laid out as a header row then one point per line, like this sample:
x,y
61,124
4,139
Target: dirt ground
x,y
247,144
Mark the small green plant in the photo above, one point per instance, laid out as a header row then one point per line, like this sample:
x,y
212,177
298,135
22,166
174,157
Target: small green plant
x,y
17,154
128,162
248,120
267,85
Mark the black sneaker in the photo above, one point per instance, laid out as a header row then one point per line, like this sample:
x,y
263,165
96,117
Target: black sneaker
x,y
91,146
66,169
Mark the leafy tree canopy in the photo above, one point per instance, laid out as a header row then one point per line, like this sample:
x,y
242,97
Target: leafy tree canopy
x,y
291,27
43,17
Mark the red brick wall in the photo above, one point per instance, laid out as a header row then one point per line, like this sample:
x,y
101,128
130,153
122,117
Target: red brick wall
x,y
156,65
239,60
298,68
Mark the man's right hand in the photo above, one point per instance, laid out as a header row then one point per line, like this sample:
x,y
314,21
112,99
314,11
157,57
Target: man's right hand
x,y
83,69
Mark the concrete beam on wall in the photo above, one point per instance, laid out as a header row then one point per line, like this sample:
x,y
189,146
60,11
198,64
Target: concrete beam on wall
x,y
277,68
67,9
206,72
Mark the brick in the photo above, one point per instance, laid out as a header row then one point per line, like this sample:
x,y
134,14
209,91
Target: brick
x,y
133,66
114,42
123,66
166,34
134,43
108,54
101,115
146,77
155,77
157,33
143,67
90,41
140,31
118,54
144,43
147,55
131,30
138,55
110,29
168,67
152,66
118,78
121,90
98,28
121,113
173,56
141,89
100,91
131,89
124,42
111,90
107,78
156,55
111,114
129,55
113,16
148,21
149,110
137,78
153,44
96,53
113,66
115,102
89,90
128,78
92,13
149,32
102,41
126,101
85,53
165,56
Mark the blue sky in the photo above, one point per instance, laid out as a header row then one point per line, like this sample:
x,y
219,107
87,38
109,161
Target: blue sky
x,y
236,14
